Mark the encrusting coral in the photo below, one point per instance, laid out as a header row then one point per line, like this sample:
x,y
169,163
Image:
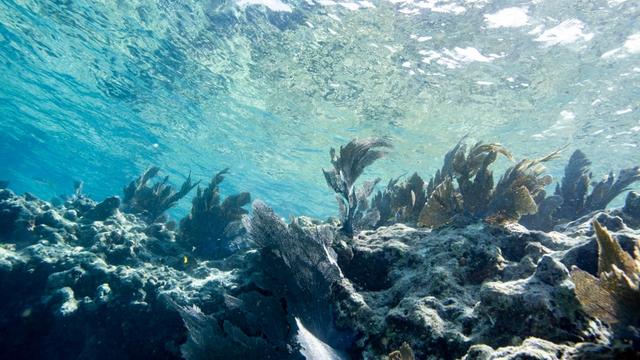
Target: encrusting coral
x,y
152,201
212,225
572,199
347,167
613,296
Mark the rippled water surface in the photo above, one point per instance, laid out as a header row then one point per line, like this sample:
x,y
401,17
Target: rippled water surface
x,y
99,90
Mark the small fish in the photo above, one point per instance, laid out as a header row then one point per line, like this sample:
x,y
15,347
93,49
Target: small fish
x,y
185,260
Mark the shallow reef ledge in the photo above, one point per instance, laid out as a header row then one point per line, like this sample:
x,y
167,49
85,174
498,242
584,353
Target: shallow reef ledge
x,y
87,280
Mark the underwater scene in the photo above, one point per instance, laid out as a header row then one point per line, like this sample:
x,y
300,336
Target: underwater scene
x,y
320,179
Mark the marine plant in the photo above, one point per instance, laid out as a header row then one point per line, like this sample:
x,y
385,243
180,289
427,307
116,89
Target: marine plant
x,y
400,201
152,201
348,165
464,187
572,199
614,295
212,223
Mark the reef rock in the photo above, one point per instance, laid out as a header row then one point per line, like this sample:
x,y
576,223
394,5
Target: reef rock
x,y
85,280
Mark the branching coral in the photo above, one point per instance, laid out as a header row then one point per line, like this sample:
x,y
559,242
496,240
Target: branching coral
x,y
572,198
212,224
153,201
347,167
614,296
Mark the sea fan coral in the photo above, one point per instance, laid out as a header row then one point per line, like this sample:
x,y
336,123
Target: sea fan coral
x,y
400,202
298,263
212,224
475,195
572,198
614,296
347,167
514,194
153,201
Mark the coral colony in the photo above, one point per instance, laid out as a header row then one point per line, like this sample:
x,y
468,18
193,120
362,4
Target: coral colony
x,y
463,265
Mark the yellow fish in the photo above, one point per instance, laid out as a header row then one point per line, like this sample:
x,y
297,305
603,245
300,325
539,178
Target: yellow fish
x,y
185,260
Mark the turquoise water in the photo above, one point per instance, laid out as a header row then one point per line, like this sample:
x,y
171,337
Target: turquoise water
x,y
100,90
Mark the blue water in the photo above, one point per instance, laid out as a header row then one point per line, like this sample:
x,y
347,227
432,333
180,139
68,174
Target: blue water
x,y
100,90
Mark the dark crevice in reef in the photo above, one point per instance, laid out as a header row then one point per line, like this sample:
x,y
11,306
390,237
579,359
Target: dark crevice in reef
x,y
416,269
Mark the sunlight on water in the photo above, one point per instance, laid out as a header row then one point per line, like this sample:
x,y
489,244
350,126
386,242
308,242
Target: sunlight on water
x,y
100,90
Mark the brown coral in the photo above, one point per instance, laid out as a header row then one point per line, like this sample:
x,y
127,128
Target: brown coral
x,y
614,295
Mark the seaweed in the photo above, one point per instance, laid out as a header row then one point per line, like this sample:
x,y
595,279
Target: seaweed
x,y
347,167
610,187
152,201
443,204
613,296
572,199
400,202
212,223
464,185
514,194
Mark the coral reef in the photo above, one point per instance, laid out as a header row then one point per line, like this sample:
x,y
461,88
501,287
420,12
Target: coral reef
x,y
572,198
152,201
129,288
469,283
347,167
212,224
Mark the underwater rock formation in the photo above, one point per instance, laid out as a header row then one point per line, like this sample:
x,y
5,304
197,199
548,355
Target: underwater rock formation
x,y
212,225
128,284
